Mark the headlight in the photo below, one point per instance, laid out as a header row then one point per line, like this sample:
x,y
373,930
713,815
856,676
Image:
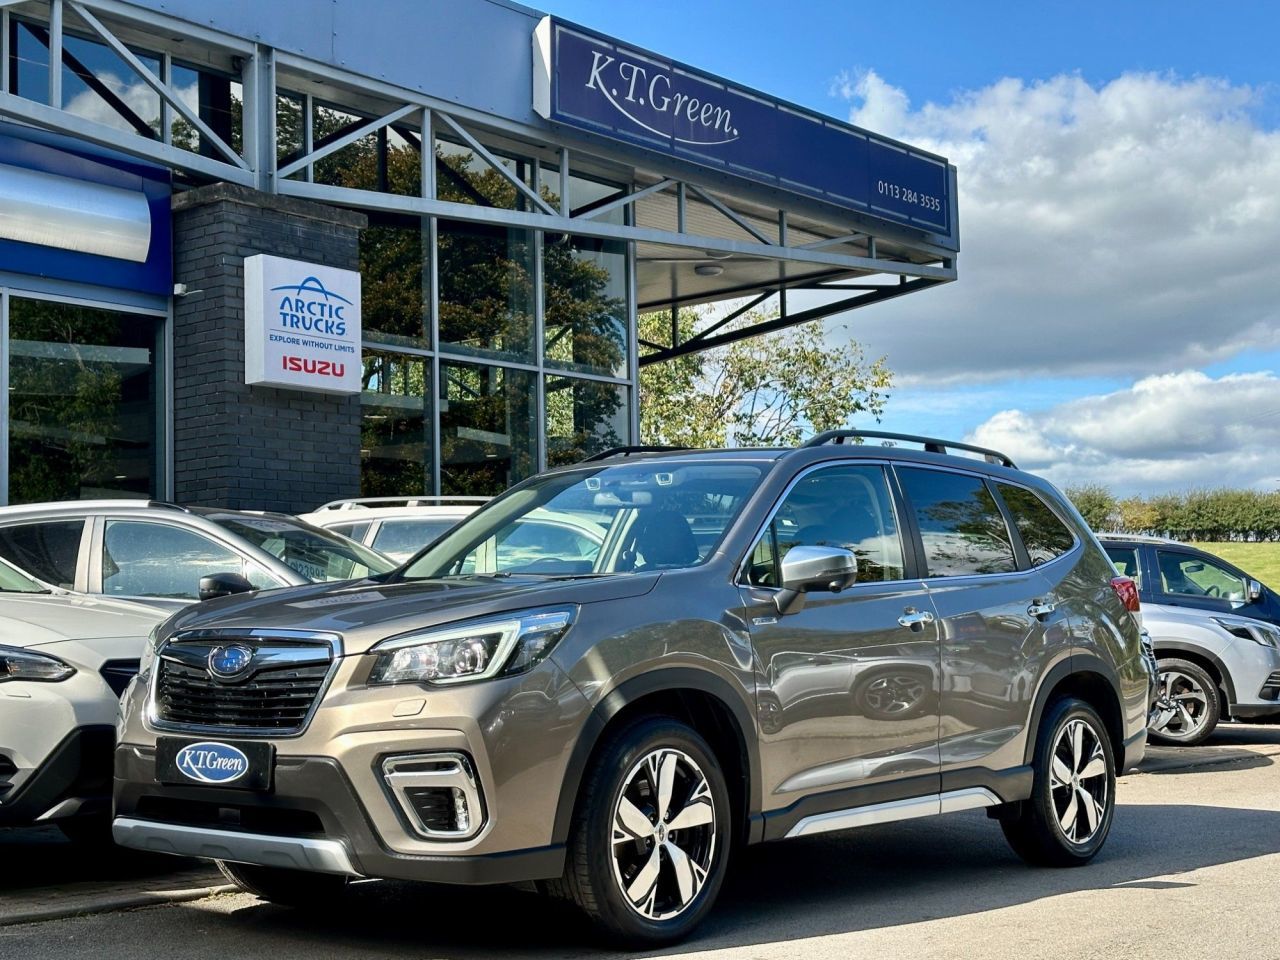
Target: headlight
x,y
472,651
1257,631
19,664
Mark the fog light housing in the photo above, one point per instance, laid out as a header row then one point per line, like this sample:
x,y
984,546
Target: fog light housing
x,y
438,794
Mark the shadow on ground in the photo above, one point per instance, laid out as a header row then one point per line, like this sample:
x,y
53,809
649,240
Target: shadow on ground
x,y
876,877
41,856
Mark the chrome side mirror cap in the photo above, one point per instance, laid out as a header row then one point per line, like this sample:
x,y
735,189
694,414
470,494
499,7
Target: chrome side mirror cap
x,y
812,569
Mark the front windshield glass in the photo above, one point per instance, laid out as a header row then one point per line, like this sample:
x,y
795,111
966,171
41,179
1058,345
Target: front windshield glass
x,y
630,518
13,580
319,555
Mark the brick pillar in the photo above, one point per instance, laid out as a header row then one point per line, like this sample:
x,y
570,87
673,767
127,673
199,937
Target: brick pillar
x,y
234,445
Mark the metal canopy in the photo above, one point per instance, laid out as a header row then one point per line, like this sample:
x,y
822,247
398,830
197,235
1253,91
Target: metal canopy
x,y
693,237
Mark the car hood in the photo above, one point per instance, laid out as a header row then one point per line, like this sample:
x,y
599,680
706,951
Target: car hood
x,y
31,619
365,612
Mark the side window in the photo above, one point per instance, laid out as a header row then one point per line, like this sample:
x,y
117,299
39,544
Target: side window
x,y
401,539
1126,562
846,506
47,550
159,560
1191,576
353,531
961,527
1043,534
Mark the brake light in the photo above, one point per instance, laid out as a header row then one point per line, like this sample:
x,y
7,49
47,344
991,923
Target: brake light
x,y
1127,590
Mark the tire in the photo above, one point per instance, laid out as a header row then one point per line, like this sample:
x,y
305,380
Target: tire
x,y
1046,829
1189,707
289,888
611,849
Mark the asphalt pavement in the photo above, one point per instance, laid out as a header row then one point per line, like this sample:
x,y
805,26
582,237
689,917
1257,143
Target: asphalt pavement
x,y
1190,870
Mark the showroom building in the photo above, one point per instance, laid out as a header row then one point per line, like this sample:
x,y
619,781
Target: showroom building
x,y
272,254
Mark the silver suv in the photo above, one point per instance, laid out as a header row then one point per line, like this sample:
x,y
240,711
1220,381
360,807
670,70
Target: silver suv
x,y
172,555
764,644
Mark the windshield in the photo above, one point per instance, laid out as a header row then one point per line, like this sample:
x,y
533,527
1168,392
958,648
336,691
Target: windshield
x,y
13,580
319,555
630,518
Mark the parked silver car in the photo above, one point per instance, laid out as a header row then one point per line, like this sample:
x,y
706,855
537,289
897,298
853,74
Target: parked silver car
x,y
160,551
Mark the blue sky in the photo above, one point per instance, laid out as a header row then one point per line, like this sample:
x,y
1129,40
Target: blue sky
x,y
1117,316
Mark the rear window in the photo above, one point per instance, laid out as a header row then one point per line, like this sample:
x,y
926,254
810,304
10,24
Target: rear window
x,y
47,550
961,526
1043,534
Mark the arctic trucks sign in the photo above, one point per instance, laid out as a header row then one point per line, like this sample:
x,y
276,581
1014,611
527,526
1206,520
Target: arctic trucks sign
x,y
301,325
593,83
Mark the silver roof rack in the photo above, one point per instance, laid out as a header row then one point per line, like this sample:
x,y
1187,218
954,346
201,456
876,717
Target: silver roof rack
x,y
363,503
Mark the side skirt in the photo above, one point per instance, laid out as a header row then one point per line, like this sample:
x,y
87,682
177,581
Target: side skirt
x,y
953,801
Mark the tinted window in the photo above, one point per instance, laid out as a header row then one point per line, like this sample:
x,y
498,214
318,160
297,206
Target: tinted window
x,y
141,559
1043,534
1126,562
846,506
46,550
401,539
963,531
1189,575
355,531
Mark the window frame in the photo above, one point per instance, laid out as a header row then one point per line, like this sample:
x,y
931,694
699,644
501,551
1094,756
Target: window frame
x,y
907,537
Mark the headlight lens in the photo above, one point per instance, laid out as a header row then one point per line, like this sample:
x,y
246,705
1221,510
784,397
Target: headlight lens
x,y
1257,631
472,651
19,664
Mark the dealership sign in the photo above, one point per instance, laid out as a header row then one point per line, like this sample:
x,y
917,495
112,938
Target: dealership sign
x,y
590,82
301,325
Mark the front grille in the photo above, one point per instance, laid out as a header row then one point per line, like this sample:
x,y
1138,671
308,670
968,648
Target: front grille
x,y
7,770
275,697
1271,689
118,673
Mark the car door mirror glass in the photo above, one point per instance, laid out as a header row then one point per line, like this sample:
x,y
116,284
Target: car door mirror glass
x,y
223,585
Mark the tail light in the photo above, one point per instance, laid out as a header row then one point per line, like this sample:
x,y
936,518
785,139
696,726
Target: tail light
x,y
1127,590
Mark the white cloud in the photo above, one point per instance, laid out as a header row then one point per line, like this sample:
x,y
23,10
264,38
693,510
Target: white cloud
x,y
1122,229
1164,433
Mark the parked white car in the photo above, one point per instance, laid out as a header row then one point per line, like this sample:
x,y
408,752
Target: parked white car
x,y
397,527
65,658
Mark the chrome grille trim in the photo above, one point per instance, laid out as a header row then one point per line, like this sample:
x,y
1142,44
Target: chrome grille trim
x,y
315,655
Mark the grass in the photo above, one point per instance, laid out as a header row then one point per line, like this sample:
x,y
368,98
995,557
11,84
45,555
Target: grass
x,y
1260,560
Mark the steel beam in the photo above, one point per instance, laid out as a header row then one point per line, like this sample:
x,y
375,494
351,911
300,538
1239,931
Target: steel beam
x,y
347,139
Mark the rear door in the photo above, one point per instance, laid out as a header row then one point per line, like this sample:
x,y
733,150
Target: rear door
x,y
991,639
53,550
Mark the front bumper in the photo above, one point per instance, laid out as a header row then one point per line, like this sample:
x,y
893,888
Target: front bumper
x,y
311,820
74,779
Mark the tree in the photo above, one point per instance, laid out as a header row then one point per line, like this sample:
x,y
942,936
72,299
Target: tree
x,y
1096,504
767,390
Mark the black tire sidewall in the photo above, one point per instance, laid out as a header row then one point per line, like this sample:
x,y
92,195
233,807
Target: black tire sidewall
x,y
1062,713
627,748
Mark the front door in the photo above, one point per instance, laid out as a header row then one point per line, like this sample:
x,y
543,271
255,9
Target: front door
x,y
1185,579
847,686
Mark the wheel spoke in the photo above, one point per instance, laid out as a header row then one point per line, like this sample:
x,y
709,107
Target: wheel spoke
x,y
646,880
1195,695
1069,816
1188,721
1090,809
1095,767
632,822
689,876
697,814
666,783
1077,745
1061,773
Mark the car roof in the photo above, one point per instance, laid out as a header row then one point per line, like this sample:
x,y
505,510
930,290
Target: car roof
x,y
82,507
1142,538
330,518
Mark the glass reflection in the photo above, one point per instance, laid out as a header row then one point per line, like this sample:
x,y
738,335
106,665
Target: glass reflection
x,y
486,290
585,304
584,417
488,428
395,428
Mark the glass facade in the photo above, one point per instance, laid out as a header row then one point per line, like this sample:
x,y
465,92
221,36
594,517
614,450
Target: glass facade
x,y
84,409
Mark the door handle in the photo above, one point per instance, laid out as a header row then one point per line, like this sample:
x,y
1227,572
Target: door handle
x,y
915,619
1041,608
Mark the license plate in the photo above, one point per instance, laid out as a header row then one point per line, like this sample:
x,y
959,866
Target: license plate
x,y
215,763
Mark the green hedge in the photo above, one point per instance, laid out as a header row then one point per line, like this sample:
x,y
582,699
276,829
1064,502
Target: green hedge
x,y
1218,515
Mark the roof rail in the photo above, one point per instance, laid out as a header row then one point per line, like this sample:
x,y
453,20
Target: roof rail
x,y
930,444
628,451
356,503
165,504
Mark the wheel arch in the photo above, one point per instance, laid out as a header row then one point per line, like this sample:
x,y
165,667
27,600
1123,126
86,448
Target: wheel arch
x,y
1210,662
708,703
1088,678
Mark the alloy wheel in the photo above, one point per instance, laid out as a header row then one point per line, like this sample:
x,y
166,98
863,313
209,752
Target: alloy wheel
x,y
1183,707
1079,781
664,834
894,695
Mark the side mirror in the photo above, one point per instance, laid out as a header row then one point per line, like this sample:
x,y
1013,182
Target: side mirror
x,y
1255,591
223,585
807,569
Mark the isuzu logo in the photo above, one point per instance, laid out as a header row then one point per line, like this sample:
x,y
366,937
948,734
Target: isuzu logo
x,y
227,663
209,762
